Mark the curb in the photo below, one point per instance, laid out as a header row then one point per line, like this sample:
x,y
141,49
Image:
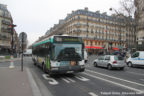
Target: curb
x,y
2,61
35,89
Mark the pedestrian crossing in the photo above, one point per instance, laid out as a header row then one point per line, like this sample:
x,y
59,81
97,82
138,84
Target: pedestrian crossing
x,y
66,79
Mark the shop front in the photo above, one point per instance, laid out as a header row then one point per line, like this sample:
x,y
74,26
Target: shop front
x,y
95,49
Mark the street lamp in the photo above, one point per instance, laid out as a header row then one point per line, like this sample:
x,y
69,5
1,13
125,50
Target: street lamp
x,y
106,43
119,25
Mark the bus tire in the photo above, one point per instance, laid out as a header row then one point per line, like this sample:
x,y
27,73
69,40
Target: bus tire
x,y
34,62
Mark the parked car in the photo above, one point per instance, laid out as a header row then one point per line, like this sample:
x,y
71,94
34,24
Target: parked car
x,y
136,59
110,61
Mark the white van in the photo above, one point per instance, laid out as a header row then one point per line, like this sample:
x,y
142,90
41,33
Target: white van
x,y
136,58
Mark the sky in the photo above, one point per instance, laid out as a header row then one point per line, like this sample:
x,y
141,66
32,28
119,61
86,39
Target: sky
x,y
35,17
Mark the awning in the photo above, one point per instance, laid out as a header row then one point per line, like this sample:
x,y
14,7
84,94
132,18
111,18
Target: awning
x,y
94,47
114,48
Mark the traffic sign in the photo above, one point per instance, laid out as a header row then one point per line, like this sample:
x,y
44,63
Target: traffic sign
x,y
22,37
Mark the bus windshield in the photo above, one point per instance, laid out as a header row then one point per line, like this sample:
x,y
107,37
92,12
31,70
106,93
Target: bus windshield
x,y
66,52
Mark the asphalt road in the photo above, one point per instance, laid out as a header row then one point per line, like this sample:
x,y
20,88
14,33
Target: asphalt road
x,y
95,81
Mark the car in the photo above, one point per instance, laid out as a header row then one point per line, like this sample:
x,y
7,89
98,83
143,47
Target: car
x,y
110,62
136,59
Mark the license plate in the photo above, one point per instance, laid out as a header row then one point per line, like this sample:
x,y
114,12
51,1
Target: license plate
x,y
70,71
73,63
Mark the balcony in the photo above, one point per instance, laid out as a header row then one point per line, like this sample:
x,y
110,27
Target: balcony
x,y
3,37
5,30
6,22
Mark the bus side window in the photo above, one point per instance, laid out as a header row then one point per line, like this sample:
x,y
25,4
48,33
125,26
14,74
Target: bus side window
x,y
52,50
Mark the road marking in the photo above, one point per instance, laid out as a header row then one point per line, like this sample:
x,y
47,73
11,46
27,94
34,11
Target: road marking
x,y
118,84
52,81
135,73
92,94
66,80
142,79
115,78
70,79
81,78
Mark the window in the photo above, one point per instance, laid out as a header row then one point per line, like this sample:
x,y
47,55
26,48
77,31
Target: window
x,y
101,58
107,58
135,55
91,30
86,42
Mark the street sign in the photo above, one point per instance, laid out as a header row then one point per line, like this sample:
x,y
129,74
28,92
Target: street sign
x,y
23,36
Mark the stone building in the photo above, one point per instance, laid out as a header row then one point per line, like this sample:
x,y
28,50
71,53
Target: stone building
x,y
99,31
5,32
139,16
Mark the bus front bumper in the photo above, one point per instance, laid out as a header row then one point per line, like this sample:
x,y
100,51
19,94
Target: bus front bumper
x,y
67,69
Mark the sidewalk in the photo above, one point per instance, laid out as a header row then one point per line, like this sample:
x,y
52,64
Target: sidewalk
x,y
8,60
13,82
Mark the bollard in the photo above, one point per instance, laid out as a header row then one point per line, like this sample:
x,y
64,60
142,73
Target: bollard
x,y
11,63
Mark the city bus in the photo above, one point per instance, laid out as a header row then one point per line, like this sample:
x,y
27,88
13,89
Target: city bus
x,y
59,54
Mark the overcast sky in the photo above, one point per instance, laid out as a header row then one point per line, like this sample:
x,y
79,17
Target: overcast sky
x,y
35,17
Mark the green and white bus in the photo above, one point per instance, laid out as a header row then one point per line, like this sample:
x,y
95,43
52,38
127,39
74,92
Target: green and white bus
x,y
59,54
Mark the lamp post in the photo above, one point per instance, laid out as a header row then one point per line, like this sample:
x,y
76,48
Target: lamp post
x,y
119,26
106,36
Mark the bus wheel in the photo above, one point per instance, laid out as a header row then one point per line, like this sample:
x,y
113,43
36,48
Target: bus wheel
x,y
35,63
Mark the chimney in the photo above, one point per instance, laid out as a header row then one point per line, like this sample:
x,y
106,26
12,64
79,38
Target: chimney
x,y
68,14
86,9
98,12
105,13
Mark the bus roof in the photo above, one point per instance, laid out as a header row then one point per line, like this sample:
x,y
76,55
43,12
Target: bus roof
x,y
51,40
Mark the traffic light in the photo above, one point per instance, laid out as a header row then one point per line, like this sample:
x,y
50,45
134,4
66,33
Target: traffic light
x,y
9,28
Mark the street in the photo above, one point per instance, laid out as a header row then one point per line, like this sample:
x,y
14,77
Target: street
x,y
95,81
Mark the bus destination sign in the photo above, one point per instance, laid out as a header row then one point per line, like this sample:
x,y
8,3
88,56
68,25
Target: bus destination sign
x,y
67,39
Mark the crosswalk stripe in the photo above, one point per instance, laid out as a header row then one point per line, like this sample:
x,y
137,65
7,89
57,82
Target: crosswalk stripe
x,y
81,78
70,79
66,80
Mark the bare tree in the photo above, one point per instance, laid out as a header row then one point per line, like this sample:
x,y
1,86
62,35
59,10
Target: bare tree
x,y
127,7
126,12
